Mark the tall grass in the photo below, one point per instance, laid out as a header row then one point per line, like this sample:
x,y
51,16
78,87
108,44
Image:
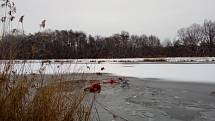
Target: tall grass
x,y
23,97
31,97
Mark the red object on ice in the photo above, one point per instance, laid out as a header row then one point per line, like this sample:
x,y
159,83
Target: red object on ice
x,y
96,87
111,82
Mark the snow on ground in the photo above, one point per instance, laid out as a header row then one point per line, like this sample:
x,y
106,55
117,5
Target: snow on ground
x,y
124,60
178,72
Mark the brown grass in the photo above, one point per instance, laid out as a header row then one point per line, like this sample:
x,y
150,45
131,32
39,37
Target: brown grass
x,y
24,98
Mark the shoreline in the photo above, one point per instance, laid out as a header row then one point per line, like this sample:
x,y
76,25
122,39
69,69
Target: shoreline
x,y
104,76
160,60
146,99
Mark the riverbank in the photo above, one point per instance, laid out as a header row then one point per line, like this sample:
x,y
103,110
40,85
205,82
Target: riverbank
x,y
161,60
151,99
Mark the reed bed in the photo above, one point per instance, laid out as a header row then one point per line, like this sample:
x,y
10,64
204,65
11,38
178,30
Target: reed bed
x,y
24,97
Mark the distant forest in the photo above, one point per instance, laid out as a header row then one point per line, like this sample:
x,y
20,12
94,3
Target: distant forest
x,y
196,40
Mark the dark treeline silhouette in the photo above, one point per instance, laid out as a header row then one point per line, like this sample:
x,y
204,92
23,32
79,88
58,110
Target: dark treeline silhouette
x,y
196,40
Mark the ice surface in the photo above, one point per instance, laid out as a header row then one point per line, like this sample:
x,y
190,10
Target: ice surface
x,y
170,71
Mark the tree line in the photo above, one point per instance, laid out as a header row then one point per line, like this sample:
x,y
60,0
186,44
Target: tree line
x,y
196,40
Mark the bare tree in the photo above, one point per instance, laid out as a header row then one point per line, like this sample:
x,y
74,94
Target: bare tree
x,y
167,43
191,36
209,32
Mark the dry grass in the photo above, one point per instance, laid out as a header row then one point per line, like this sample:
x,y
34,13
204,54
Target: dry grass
x,y
21,99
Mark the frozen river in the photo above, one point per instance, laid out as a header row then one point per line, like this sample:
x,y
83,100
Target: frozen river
x,y
182,72
176,72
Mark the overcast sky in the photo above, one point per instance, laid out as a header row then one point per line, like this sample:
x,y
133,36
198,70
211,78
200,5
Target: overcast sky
x,y
105,17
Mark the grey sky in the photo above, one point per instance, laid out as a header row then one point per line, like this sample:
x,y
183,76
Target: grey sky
x,y
105,17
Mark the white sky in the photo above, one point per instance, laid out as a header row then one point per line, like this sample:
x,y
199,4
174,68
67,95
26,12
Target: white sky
x,y
105,17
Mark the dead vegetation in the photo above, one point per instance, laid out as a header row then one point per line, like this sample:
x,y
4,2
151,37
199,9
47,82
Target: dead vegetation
x,y
24,98
32,97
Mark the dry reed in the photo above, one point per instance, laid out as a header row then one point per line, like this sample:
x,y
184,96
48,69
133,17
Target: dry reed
x,y
24,98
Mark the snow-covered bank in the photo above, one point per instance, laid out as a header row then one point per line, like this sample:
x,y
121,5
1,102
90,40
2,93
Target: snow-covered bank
x,y
194,69
124,60
178,72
